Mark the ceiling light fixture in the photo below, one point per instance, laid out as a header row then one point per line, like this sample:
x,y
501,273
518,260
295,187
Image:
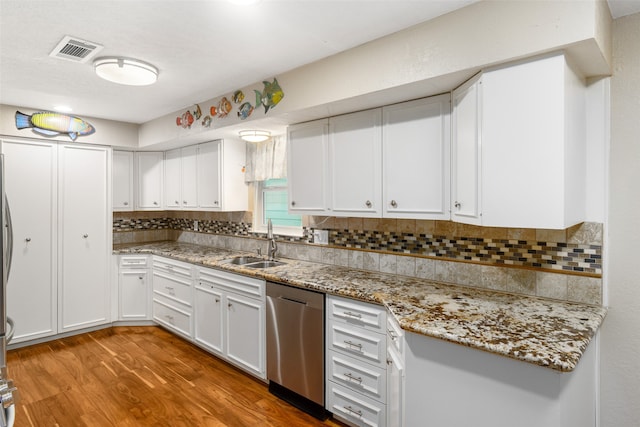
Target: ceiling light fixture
x,y
254,135
125,71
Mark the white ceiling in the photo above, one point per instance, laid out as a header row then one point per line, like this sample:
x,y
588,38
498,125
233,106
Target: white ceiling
x,y
203,48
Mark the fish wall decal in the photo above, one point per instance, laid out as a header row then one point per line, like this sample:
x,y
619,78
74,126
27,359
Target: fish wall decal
x,y
270,96
48,123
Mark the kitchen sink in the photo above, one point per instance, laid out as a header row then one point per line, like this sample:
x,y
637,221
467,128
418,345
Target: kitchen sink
x,y
264,264
242,260
254,262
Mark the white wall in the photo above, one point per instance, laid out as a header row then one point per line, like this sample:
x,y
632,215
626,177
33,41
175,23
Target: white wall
x,y
426,59
620,350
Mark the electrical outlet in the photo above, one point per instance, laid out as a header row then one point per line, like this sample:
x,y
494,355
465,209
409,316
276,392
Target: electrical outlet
x,y
195,225
321,237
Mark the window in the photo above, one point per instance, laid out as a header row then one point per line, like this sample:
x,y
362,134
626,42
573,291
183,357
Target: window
x,y
272,203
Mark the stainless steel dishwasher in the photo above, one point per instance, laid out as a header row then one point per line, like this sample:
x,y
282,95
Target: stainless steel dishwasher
x,y
295,347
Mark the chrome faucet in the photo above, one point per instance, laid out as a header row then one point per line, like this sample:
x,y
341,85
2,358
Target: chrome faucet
x,y
272,247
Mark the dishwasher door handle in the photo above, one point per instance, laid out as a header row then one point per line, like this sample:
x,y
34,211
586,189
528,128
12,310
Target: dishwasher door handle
x,y
293,300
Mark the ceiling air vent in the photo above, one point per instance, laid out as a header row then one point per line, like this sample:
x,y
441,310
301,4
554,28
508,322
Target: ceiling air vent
x,y
75,49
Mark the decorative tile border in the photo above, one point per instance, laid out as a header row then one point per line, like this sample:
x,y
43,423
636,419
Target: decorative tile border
x,y
579,259
546,255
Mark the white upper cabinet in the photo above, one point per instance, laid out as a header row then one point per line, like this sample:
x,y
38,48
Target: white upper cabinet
x,y
355,142
390,162
180,177
209,176
307,167
523,127
220,178
122,181
149,173
415,158
465,152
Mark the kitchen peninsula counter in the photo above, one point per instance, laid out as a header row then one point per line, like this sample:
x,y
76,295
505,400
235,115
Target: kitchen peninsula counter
x,y
548,333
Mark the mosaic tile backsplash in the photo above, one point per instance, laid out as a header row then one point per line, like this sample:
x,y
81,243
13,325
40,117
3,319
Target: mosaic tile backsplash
x,y
457,250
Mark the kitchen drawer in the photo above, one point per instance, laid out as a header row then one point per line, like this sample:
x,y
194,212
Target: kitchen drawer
x,y
175,288
357,313
356,375
354,408
172,317
242,285
169,266
365,345
134,261
395,335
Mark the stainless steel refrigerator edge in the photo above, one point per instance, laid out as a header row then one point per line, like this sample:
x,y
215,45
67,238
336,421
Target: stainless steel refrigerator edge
x,y
295,347
7,390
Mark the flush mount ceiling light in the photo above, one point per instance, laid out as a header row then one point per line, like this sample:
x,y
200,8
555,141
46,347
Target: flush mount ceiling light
x,y
125,71
254,135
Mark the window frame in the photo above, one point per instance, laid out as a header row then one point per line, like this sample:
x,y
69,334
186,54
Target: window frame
x,y
258,224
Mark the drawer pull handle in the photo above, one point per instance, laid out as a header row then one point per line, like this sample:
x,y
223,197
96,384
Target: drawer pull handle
x,y
352,344
354,315
169,317
353,411
352,378
392,335
217,299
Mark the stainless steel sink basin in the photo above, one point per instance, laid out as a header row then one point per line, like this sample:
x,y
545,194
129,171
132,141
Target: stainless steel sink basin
x,y
243,260
264,264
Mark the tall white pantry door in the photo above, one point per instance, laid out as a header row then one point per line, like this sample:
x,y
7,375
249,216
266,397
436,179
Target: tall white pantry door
x,y
84,211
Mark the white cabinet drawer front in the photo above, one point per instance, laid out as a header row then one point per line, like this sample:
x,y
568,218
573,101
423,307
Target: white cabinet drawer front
x,y
172,317
173,288
395,335
358,313
247,286
358,376
134,261
173,267
367,346
355,408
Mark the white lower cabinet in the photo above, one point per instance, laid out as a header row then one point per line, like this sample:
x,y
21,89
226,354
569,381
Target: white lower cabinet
x,y
209,320
134,287
173,295
395,373
356,362
230,318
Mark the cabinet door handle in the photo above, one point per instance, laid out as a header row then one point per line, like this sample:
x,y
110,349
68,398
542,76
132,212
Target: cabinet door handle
x,y
215,202
352,378
125,203
293,203
457,205
28,239
229,305
354,315
140,277
394,204
353,411
217,299
353,345
155,203
184,202
368,203
84,236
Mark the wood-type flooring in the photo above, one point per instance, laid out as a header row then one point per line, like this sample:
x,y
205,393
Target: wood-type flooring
x,y
139,376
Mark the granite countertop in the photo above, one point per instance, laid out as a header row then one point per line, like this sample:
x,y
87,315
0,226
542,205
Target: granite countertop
x,y
549,333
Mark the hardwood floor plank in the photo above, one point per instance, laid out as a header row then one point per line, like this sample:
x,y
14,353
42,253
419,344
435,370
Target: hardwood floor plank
x,y
140,376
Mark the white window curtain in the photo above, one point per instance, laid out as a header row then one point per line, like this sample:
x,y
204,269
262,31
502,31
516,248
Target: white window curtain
x,y
266,160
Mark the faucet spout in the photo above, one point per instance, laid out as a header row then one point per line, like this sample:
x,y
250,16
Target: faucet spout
x,y
273,247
